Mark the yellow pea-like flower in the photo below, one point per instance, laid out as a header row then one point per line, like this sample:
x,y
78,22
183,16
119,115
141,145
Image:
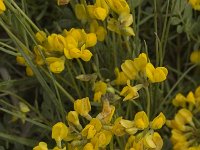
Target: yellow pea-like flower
x,y
195,56
140,62
56,42
121,78
183,116
88,146
158,74
41,36
92,128
107,113
23,107
117,128
129,69
118,6
191,98
41,146
130,92
98,30
86,55
56,65
102,139
195,4
89,131
29,71
72,117
141,120
148,141
91,40
197,92
158,122
59,131
57,148
99,89
179,100
80,12
20,60
157,139
100,13
2,7
82,106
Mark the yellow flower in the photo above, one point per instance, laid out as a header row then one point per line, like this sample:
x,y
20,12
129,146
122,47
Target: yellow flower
x,y
101,139
2,7
197,92
121,78
56,65
129,69
99,89
158,122
141,120
82,106
158,74
118,6
179,100
195,4
98,11
72,117
20,60
56,42
157,140
41,36
91,40
117,128
140,62
76,43
29,71
85,55
148,141
107,113
88,146
80,12
23,107
38,49
130,92
92,128
195,55
122,24
59,131
183,116
190,98
129,126
98,30
57,148
41,146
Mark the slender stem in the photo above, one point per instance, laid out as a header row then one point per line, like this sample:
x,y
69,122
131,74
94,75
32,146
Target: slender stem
x,y
148,101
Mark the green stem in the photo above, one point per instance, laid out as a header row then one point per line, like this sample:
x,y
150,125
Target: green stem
x,y
148,101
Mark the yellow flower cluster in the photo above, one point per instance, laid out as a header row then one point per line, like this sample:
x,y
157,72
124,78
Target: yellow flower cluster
x,y
190,102
138,69
185,130
2,7
146,138
100,10
100,130
54,49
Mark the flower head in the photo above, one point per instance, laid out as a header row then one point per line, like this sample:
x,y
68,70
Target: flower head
x,y
41,146
59,131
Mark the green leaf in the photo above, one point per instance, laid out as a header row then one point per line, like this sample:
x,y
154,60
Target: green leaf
x,y
175,21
